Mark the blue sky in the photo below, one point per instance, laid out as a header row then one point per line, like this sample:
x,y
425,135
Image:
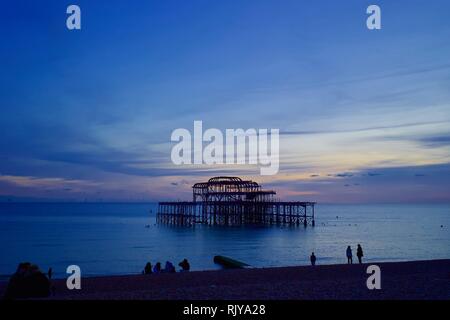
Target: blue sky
x,y
364,115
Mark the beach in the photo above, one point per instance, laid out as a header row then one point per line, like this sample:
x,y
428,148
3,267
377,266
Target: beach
x,y
415,280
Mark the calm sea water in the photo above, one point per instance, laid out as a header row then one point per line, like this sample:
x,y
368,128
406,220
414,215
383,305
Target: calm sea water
x,y
113,238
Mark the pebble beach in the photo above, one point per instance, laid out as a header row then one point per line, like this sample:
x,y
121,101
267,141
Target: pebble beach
x,y
415,280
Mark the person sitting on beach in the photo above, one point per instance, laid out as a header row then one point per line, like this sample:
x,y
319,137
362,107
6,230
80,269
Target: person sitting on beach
x,y
349,255
28,282
169,268
359,253
148,268
185,266
313,259
157,268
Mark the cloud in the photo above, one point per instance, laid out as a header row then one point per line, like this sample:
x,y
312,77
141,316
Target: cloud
x,y
373,174
361,129
25,181
391,185
343,175
435,141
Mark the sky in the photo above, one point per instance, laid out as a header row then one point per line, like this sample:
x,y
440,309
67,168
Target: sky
x,y
87,115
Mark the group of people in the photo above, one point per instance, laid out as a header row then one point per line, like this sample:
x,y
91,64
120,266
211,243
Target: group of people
x,y
168,268
359,254
29,282
349,254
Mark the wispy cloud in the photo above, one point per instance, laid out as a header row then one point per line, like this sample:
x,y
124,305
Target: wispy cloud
x,y
362,129
37,182
436,141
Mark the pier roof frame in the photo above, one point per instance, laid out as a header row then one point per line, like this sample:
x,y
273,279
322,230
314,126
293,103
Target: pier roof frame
x,y
230,189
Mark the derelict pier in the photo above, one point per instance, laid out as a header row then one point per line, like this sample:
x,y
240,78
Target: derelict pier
x,y
231,201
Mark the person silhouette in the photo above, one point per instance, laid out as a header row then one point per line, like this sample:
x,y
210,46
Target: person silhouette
x,y
349,255
148,268
313,259
185,266
169,268
359,253
157,268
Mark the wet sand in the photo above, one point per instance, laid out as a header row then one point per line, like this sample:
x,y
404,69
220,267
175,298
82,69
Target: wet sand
x,y
399,280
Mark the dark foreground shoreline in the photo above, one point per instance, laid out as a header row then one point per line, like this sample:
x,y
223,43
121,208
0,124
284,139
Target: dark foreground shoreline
x,y
415,280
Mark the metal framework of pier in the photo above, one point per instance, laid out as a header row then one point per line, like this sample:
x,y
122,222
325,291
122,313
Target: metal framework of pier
x,y
231,201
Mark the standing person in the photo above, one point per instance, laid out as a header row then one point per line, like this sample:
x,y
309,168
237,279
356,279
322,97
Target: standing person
x,y
349,255
50,273
359,253
313,259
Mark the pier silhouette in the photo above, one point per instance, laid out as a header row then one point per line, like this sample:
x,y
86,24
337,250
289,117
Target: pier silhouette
x,y
231,201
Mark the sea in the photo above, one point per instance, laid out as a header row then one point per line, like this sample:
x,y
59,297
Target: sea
x,y
120,238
